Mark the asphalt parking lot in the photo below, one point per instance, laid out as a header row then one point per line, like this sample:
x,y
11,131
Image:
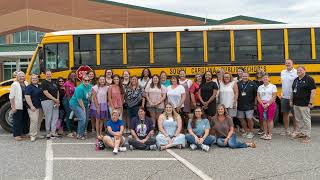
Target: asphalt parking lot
x,y
281,158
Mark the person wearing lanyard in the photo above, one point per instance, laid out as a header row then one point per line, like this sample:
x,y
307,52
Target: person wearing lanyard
x,y
142,130
246,101
304,92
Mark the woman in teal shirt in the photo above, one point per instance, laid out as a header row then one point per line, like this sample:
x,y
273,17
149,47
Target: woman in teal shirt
x,y
79,104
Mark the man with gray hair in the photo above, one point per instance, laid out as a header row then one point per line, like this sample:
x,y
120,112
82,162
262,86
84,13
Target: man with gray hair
x,y
304,91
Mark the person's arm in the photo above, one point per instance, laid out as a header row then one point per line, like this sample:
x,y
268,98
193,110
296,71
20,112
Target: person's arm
x,y
81,104
274,96
134,135
236,94
114,133
160,126
110,97
12,97
190,131
214,95
312,96
200,97
29,102
229,135
179,123
148,97
143,101
46,93
95,100
183,98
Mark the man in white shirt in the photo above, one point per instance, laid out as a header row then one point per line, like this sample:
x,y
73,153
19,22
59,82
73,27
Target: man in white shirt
x,y
287,77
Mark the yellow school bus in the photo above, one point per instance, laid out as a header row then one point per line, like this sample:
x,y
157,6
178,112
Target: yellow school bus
x,y
171,49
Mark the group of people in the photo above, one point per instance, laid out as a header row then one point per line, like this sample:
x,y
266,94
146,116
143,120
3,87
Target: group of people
x,y
157,112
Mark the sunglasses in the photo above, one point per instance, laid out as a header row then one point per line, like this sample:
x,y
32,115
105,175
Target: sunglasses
x,y
61,81
87,80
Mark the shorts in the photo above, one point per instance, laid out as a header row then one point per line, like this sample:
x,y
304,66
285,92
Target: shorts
x,y
123,139
285,106
271,111
245,114
232,112
154,109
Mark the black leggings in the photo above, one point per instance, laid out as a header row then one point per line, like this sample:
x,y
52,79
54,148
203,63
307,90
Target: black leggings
x,y
20,123
138,145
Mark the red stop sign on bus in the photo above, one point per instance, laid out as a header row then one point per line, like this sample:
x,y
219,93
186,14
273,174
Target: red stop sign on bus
x,y
82,70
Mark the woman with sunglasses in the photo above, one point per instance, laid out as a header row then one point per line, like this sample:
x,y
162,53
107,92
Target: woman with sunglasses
x,y
62,111
79,103
198,128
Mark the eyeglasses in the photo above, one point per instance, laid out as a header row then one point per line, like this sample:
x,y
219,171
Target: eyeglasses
x,y
61,81
198,111
86,80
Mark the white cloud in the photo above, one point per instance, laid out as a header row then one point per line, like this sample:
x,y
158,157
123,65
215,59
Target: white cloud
x,y
289,11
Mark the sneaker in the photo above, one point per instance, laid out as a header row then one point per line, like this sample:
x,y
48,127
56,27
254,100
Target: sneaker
x,y
193,146
306,140
122,149
83,138
244,134
131,147
250,135
70,135
33,139
55,135
264,136
260,132
297,135
48,136
153,147
179,146
205,147
284,132
115,151
268,137
242,130
93,131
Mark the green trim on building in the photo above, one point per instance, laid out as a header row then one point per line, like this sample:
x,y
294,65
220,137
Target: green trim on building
x,y
247,18
156,11
17,47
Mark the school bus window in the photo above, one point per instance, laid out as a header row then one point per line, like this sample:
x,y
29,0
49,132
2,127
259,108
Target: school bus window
x,y
218,47
138,50
56,56
111,49
272,45
191,47
245,42
85,50
165,51
317,37
299,44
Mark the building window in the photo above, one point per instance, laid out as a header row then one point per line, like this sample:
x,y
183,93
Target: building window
x,y
138,50
111,49
10,67
85,50
2,39
165,48
218,47
245,46
191,47
27,36
299,45
272,45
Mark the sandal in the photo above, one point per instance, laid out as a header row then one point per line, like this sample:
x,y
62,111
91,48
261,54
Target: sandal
x,y
18,138
163,148
252,145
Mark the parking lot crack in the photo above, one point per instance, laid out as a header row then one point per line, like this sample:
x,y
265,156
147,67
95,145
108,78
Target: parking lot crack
x,y
159,170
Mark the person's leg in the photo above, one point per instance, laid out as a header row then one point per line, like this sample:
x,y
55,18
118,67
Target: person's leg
x,y
150,141
81,115
209,140
234,143
98,133
299,117
108,141
161,140
220,142
153,115
34,118
47,107
285,108
16,124
25,121
55,117
241,116
270,116
261,110
190,139
117,142
179,140
306,128
136,144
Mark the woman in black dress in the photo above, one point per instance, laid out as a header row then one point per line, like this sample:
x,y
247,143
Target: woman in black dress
x,y
207,95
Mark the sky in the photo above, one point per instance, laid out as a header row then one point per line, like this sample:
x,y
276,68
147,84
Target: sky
x,y
287,11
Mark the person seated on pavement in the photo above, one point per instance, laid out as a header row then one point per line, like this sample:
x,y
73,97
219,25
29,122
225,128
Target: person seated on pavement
x,y
223,129
114,138
170,124
198,128
142,130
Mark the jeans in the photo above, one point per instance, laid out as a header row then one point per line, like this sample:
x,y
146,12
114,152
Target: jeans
x,y
232,143
162,140
138,145
69,121
209,140
81,115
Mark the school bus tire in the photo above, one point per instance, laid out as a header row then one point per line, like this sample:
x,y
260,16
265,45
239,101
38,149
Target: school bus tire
x,y
6,117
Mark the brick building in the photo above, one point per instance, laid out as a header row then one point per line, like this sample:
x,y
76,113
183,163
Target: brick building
x,y
23,22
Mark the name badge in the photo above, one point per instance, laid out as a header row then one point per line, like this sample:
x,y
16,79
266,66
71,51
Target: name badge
x,y
243,94
295,90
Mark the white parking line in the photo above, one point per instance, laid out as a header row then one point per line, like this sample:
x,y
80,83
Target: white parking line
x,y
49,161
112,159
194,169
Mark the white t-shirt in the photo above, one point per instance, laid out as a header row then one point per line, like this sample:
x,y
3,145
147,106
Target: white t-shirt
x,y
265,92
287,78
174,95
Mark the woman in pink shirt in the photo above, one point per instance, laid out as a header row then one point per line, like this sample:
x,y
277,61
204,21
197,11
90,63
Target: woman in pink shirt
x,y
69,87
116,95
